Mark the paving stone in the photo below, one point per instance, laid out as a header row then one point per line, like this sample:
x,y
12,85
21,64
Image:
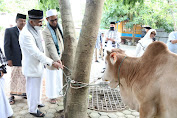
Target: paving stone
x,y
15,114
28,116
112,115
59,108
119,114
23,112
60,103
44,108
136,113
49,116
51,111
13,106
126,112
130,116
17,109
25,107
103,113
19,116
94,115
53,106
103,117
47,103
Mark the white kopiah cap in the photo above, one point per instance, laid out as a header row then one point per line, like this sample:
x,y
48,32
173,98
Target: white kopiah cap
x,y
51,12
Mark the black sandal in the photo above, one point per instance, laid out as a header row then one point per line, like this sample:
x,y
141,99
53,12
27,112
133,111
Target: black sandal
x,y
38,114
41,105
12,100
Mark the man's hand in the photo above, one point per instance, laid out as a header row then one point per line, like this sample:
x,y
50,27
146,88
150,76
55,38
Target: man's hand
x,y
9,63
111,39
59,61
107,39
1,74
173,41
57,65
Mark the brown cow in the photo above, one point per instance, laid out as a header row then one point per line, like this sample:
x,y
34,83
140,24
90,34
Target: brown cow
x,y
148,83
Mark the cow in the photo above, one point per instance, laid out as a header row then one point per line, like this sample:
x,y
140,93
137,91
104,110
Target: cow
x,y
148,84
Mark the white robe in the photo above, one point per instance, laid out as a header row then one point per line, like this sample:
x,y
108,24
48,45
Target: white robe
x,y
141,46
144,43
5,108
54,83
33,91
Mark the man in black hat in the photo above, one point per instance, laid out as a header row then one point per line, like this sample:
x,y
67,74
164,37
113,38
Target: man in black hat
x,y
147,28
33,60
14,57
112,40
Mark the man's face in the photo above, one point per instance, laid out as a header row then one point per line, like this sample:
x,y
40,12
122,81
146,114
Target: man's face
x,y
21,23
53,21
146,30
112,25
37,22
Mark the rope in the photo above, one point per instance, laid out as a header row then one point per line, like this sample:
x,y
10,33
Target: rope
x,y
119,69
73,84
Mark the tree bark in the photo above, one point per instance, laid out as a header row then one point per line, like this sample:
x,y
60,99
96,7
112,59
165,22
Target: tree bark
x,y
69,38
77,99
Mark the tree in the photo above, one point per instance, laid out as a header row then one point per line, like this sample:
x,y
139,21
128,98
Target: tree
x,y
76,105
69,39
3,7
48,4
156,13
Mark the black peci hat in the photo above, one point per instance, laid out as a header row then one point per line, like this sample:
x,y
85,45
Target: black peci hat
x,y
146,27
35,14
112,23
19,15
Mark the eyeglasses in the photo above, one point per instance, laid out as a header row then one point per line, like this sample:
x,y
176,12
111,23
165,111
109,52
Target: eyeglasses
x,y
54,20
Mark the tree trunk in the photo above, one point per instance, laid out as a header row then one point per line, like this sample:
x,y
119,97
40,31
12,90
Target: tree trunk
x,y
133,34
77,99
69,38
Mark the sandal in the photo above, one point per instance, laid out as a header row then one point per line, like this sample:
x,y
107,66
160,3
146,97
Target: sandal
x,y
41,105
12,100
38,114
53,101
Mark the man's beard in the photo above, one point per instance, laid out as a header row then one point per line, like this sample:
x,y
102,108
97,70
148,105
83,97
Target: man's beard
x,y
54,27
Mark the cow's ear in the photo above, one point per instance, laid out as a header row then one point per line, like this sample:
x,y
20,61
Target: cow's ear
x,y
108,52
113,57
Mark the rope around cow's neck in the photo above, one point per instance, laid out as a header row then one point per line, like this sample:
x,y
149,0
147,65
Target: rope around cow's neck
x,y
119,69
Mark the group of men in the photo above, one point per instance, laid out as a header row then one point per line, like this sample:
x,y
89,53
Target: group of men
x,y
23,46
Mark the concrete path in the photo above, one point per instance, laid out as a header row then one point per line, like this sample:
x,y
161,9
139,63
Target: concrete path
x,y
20,108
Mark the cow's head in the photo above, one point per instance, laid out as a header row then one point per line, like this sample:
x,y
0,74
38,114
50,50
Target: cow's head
x,y
111,72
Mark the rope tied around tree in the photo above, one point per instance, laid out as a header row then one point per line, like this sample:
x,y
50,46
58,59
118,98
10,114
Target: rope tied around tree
x,y
72,83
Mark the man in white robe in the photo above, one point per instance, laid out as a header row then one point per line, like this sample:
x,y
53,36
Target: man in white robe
x,y
5,108
112,40
33,60
52,35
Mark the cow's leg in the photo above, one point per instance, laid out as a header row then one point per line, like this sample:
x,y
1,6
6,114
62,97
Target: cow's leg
x,y
148,110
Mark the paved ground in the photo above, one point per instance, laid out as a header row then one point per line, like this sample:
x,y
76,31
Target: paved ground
x,y
20,108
